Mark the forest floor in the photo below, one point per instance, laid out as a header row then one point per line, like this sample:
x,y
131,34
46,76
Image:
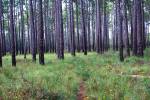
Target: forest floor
x,y
91,77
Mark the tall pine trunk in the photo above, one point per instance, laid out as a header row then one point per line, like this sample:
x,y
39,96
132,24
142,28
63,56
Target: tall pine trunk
x,y
119,29
1,33
72,31
139,29
98,28
125,28
59,29
32,31
13,47
134,27
40,33
22,27
77,26
83,28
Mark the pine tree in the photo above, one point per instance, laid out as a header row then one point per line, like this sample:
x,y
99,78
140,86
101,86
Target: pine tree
x,y
13,47
32,31
59,29
1,33
40,33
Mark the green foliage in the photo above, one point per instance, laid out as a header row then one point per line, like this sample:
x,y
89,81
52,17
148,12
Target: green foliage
x,y
105,78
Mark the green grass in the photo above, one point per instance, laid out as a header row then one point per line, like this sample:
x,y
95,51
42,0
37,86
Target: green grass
x,y
105,77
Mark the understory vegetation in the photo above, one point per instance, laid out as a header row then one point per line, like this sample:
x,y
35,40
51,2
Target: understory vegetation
x,y
103,77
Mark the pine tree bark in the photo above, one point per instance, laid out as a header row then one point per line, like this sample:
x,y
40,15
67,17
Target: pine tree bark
x,y
83,28
72,28
35,14
131,10
22,27
114,28
77,26
98,28
143,25
139,29
13,47
40,33
46,7
105,27
59,29
68,27
89,25
125,28
116,34
119,29
1,33
93,26
135,27
28,28
32,31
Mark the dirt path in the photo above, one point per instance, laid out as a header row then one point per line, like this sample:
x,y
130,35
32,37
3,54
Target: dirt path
x,y
81,95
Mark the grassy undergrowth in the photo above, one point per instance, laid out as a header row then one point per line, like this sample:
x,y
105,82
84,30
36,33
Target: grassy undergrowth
x,y
105,78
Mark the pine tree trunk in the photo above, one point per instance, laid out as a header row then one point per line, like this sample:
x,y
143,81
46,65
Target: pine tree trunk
x,y
59,29
40,33
139,28
89,25
119,29
93,27
77,27
72,32
98,28
32,31
83,28
1,33
135,27
46,7
105,28
13,51
22,27
125,28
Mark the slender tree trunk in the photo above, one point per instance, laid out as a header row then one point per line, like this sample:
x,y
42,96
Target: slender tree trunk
x,y
83,28
1,33
45,24
40,33
28,27
114,31
143,25
93,26
105,28
22,27
89,25
98,28
119,29
59,29
135,28
77,27
68,26
72,32
125,28
13,51
139,28
53,26
131,24
32,31
35,24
